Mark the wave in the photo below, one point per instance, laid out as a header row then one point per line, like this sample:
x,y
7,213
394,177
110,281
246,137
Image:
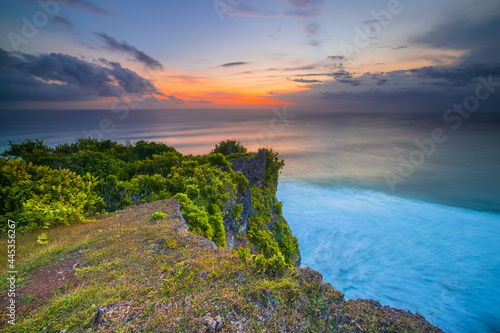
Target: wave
x,y
441,261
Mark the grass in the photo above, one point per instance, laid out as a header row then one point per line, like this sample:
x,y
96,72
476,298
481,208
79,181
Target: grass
x,y
143,275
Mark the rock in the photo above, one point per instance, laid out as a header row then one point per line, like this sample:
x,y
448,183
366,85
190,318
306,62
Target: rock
x,y
308,274
99,315
177,216
213,324
253,168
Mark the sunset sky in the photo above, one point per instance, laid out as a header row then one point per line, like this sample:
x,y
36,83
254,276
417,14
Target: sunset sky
x,y
326,55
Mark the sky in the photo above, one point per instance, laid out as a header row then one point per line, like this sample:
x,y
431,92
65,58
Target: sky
x,y
363,55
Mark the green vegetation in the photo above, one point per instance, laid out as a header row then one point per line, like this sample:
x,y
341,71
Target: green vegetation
x,y
229,147
72,182
38,196
158,216
137,276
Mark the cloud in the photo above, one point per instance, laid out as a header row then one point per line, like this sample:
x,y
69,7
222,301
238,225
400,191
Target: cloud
x,y
304,80
381,82
89,7
395,48
464,29
300,9
336,58
312,28
123,46
305,3
176,100
336,62
353,83
231,64
341,74
83,5
59,77
459,75
63,21
314,42
300,68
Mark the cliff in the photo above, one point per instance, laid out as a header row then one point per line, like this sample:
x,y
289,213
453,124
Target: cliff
x,y
129,272
258,200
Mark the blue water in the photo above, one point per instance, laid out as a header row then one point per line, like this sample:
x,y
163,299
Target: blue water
x,y
409,254
429,244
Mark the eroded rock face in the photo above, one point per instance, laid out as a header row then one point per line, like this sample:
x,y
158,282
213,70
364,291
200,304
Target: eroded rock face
x,y
254,169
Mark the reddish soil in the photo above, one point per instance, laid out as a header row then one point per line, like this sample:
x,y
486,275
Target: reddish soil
x,y
41,286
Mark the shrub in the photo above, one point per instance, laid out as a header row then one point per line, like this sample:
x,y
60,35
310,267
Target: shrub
x,y
143,149
229,147
96,163
32,151
210,226
161,164
38,196
158,216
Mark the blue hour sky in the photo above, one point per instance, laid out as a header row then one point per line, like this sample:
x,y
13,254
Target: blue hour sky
x,y
380,55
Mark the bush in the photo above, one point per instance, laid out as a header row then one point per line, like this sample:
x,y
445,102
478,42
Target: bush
x,y
229,147
161,164
32,151
96,163
38,196
210,226
158,216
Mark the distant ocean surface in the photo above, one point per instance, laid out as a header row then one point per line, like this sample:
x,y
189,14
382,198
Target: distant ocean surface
x,y
381,209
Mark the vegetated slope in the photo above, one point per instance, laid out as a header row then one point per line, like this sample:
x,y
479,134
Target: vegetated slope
x,y
228,195
127,272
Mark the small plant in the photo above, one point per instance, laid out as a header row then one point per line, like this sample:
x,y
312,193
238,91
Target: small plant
x,y
158,216
42,239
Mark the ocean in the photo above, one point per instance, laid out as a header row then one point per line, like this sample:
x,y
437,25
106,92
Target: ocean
x,y
402,208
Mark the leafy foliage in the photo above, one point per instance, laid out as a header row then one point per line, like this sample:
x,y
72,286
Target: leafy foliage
x,y
229,147
65,184
158,216
38,196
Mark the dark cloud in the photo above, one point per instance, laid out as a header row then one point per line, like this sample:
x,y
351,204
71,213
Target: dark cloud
x,y
381,82
176,100
459,75
83,5
336,58
238,63
123,46
336,62
461,30
341,74
59,77
312,28
353,83
304,80
300,68
201,101
63,21
395,48
314,42
89,7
